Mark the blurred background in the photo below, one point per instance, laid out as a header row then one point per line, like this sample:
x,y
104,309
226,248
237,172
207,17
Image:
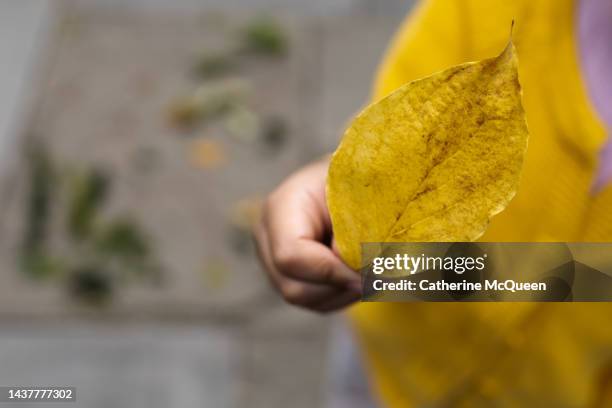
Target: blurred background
x,y
137,139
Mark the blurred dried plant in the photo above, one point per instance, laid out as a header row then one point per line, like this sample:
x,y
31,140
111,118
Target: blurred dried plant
x,y
96,253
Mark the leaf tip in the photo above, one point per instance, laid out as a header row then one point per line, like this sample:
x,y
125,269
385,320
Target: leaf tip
x,y
512,29
509,49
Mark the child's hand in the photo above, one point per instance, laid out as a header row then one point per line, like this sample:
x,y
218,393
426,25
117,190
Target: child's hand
x,y
293,242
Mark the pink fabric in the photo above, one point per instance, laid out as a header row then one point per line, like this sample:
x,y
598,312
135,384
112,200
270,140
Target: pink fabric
x,y
595,42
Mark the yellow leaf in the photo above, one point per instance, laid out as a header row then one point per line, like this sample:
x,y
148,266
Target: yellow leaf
x,y
433,161
207,154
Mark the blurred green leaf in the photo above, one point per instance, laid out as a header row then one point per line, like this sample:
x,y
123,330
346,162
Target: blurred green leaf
x,y
212,65
88,194
123,239
265,36
242,123
209,101
41,184
40,265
